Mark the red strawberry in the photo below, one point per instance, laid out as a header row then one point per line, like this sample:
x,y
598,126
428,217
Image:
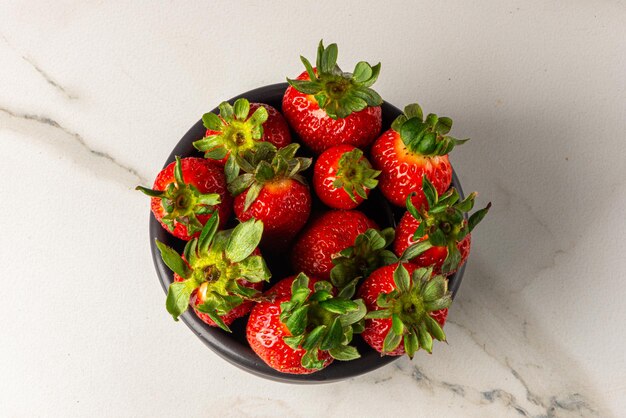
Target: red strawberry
x,y
240,128
186,193
328,107
343,177
199,297
272,191
219,273
368,253
442,231
411,149
300,327
406,309
325,237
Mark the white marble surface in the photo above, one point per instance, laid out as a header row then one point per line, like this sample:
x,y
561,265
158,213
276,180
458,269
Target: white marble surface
x,y
93,95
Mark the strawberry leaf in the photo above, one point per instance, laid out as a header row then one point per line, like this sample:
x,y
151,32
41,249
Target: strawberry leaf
x,y
396,324
241,108
391,341
218,320
212,121
294,342
453,259
226,111
411,344
401,278
311,361
434,288
434,328
414,250
429,191
312,340
414,110
300,282
173,260
243,240
253,193
333,337
217,153
254,269
378,314
425,339
362,72
348,291
340,306
297,321
150,192
240,184
478,216
355,315
309,67
344,353
178,296
208,233
231,170
329,58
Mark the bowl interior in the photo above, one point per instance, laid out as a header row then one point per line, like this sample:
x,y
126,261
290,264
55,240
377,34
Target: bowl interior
x,y
233,347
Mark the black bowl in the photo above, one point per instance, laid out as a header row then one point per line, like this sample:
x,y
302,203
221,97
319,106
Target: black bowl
x,y
233,347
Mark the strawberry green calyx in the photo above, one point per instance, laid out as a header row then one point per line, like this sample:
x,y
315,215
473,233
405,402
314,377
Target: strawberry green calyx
x,y
443,224
318,321
182,202
409,306
214,263
355,174
232,132
425,136
266,164
368,253
338,93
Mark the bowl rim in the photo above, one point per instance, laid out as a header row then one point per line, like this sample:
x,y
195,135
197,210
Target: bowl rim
x,y
223,344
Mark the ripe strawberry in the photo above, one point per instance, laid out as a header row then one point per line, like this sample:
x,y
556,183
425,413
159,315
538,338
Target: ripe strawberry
x,y
185,195
271,190
443,234
343,177
239,128
411,149
219,273
300,326
328,107
199,298
368,253
324,238
406,309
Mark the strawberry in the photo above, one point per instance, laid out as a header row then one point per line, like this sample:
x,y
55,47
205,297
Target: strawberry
x,y
414,147
328,107
343,177
407,306
273,191
300,327
199,298
324,238
443,234
239,128
368,253
185,195
219,273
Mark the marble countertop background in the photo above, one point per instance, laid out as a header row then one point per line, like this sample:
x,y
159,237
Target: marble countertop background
x,y
93,96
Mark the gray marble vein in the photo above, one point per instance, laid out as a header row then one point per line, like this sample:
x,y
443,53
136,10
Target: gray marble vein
x,y
570,404
44,120
49,79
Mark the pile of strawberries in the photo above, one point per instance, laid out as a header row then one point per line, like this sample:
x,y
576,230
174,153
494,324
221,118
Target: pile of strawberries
x,y
349,275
